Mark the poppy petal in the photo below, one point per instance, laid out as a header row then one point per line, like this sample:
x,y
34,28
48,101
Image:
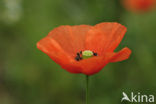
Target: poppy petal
x,y
121,55
113,34
79,33
92,65
70,38
55,52
87,66
94,40
62,36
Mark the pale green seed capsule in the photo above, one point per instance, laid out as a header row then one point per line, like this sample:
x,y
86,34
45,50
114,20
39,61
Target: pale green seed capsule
x,y
87,54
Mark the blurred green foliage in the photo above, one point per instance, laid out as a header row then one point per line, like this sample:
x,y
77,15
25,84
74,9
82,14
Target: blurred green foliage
x,y
28,76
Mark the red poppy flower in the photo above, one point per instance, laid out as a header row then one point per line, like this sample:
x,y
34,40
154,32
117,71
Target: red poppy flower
x,y
83,48
139,5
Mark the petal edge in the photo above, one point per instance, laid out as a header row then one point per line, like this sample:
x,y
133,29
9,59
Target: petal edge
x,y
121,55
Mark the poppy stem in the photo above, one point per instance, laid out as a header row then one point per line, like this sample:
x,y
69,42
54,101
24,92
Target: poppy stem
x,y
87,89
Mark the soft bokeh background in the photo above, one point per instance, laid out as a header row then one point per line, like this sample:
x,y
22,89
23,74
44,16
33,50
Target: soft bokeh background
x,y
28,76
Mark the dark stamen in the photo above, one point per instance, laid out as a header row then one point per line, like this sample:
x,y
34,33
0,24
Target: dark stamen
x,y
80,52
95,54
77,58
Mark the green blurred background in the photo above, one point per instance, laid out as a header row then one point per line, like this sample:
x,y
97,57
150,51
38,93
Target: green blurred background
x,y
28,76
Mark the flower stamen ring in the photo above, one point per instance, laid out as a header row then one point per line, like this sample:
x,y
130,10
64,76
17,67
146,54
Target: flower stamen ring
x,y
85,55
